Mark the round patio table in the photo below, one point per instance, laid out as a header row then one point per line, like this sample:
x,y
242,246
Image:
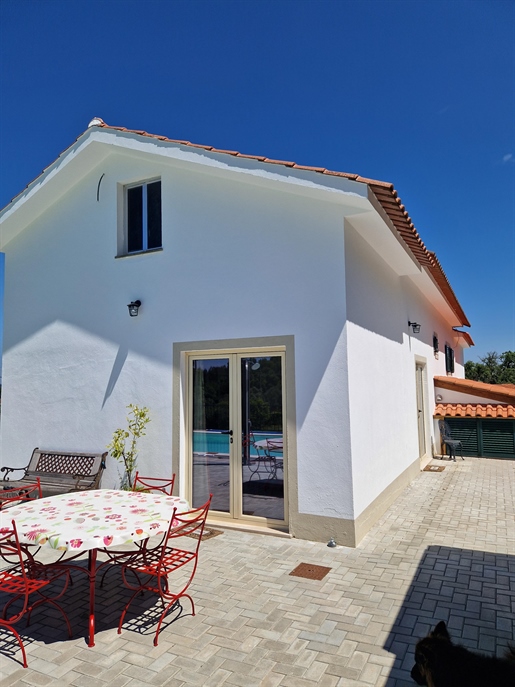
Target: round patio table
x,y
91,520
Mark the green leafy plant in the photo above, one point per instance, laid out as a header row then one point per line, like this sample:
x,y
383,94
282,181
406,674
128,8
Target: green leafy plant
x,y
123,446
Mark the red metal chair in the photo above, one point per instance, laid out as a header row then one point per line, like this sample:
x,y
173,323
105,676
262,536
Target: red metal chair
x,y
27,492
153,484
145,484
23,579
14,495
155,566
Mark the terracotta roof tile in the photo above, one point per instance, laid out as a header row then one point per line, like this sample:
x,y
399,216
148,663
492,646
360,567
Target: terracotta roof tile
x,y
286,163
383,190
261,158
229,152
484,410
196,145
503,393
443,283
310,169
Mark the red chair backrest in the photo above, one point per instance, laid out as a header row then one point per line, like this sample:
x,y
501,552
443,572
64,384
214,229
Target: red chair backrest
x,y
185,524
27,492
165,486
190,522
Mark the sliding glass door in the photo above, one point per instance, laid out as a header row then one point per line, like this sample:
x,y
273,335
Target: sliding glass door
x,y
237,443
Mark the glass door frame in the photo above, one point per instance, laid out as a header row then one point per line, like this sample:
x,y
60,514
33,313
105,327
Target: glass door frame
x,y
421,405
235,357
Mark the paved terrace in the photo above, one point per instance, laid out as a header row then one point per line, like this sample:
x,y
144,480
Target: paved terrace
x,y
444,550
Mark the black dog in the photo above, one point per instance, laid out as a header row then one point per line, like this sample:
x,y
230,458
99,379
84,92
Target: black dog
x,y
440,663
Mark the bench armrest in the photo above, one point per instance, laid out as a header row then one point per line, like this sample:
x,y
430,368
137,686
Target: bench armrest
x,y
8,470
91,478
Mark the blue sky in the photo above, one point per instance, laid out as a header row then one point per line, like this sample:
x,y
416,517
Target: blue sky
x,y
421,94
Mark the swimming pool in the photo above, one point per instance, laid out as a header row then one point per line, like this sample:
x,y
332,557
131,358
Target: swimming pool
x,y
214,441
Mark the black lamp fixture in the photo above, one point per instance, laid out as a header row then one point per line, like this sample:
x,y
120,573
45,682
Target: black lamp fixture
x,y
133,308
415,325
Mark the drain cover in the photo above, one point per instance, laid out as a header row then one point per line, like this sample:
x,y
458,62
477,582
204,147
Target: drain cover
x,y
310,571
434,468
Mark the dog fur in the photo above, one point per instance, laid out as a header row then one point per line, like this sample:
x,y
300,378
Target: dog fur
x,y
440,663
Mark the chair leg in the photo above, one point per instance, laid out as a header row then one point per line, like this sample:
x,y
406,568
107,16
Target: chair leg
x,y
168,606
15,633
122,617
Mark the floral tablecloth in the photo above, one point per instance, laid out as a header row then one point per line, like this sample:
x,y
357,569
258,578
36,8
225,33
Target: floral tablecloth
x,y
93,519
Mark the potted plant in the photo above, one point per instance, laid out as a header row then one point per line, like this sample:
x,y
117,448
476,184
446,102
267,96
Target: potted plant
x,y
123,446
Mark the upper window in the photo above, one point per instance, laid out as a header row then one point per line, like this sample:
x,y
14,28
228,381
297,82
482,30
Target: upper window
x,y
449,359
143,216
435,345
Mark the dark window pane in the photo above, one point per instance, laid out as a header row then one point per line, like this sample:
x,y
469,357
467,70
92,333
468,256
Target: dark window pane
x,y
449,359
154,214
135,219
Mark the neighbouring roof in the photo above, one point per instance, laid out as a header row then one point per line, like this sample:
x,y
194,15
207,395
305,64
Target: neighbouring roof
x,y
481,410
384,192
504,393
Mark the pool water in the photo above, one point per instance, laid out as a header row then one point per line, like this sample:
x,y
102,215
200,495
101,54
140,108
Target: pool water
x,y
212,441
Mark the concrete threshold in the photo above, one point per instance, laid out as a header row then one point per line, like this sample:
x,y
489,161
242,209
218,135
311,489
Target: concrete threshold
x,y
244,527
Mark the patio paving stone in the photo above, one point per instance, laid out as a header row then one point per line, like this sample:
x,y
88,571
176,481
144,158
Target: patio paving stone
x,y
444,550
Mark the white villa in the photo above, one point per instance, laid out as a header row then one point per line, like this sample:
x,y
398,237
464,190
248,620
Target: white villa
x,y
290,326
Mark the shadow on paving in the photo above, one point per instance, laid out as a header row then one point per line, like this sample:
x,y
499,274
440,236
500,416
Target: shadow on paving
x,y
47,626
110,599
472,591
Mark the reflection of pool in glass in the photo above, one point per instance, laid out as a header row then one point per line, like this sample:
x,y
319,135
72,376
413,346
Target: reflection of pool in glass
x,y
214,441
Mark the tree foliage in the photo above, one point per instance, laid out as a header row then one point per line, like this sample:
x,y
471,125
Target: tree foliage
x,y
494,368
211,395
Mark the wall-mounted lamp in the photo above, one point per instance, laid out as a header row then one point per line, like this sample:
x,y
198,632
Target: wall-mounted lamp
x,y
439,398
415,325
133,308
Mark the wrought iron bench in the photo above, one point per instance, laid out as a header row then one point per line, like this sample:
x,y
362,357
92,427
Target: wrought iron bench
x,y
59,471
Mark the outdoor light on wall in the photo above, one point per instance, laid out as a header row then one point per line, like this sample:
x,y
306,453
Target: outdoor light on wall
x,y
439,398
133,308
415,325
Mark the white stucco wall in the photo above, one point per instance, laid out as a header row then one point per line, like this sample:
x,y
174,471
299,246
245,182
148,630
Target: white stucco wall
x,y
238,261
382,353
449,396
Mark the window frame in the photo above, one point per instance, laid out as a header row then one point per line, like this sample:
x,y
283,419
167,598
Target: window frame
x,y
436,345
449,359
124,238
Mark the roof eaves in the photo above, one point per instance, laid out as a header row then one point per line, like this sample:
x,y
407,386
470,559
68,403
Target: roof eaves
x,y
496,392
464,335
441,279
